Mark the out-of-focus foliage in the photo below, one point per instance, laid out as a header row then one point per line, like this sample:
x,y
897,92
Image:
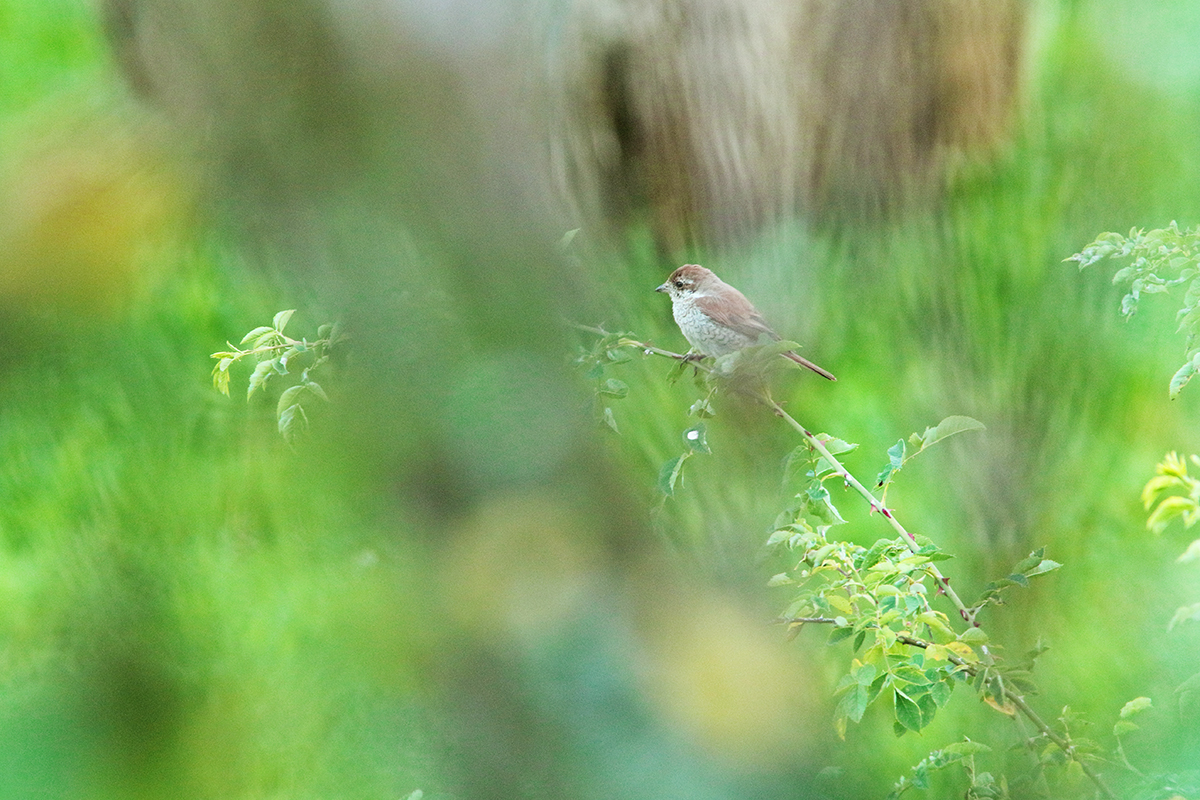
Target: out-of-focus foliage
x,y
276,353
1162,258
1175,495
457,583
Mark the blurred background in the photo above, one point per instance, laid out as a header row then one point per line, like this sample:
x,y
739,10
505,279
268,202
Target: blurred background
x,y
460,581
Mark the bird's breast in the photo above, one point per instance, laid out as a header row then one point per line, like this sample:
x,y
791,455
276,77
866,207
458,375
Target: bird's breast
x,y
705,334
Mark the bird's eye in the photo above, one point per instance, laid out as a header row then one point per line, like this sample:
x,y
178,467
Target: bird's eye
x,y
678,284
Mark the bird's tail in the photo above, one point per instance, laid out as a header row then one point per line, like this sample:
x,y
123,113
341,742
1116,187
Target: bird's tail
x,y
804,362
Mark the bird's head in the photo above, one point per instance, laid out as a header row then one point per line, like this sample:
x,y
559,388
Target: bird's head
x,y
687,280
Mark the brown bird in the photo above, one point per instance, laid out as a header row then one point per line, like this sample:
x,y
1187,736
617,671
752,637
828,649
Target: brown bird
x,y
716,318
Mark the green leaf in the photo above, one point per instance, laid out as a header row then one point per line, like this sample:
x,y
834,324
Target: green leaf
x,y
920,776
949,427
895,462
928,709
876,687
609,420
258,379
256,333
290,397
1191,554
271,338
696,439
1029,561
884,476
966,748
316,390
1180,379
941,691
293,422
1135,706
838,602
614,388
1124,726
671,473
1167,510
973,636
864,674
281,319
1022,681
1019,580
908,714
221,375
796,463
817,492
909,674
872,556
834,445
840,634
778,536
853,704
1043,566
702,409
618,355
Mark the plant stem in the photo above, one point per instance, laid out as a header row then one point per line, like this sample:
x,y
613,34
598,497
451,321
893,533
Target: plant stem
x,y
966,613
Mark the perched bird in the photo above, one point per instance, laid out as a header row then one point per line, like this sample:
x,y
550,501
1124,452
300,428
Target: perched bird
x,y
716,318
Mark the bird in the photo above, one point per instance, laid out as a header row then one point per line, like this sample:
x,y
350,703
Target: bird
x,y
716,318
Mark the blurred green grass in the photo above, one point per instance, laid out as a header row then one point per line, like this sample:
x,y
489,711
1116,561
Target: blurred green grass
x,y
187,608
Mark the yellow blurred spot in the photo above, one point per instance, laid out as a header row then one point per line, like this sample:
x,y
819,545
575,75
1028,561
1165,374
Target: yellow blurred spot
x,y
84,200
520,566
731,681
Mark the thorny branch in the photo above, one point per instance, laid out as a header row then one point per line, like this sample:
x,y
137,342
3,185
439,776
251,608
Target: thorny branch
x,y
968,614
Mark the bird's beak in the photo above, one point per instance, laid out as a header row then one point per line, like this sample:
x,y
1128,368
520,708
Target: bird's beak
x,y
661,288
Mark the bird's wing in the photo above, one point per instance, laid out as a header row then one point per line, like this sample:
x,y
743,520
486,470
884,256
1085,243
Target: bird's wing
x,y
736,312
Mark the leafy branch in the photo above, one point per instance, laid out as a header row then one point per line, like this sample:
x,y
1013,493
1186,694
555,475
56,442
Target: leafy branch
x,y
880,596
1161,259
277,354
980,784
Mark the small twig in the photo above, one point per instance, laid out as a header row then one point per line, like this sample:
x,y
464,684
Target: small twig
x,y
966,613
